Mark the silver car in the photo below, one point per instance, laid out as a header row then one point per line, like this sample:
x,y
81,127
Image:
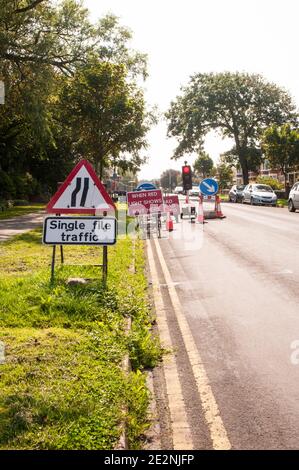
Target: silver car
x,y
293,202
259,194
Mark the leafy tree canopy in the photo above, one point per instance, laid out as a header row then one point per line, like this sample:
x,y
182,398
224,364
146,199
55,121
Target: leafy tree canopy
x,y
281,146
204,164
107,115
237,105
169,179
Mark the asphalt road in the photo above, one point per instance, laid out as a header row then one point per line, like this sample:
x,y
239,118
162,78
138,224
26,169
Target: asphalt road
x,y
237,281
18,225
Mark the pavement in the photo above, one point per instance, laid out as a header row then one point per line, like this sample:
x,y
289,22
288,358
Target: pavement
x,y
229,309
18,225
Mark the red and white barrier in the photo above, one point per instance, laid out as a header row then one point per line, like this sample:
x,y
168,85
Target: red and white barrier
x,y
169,222
200,211
219,214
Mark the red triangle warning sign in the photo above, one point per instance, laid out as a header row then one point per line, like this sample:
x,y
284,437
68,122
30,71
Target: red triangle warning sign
x,y
81,193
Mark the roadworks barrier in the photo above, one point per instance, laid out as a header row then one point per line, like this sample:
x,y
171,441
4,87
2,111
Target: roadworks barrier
x,y
204,214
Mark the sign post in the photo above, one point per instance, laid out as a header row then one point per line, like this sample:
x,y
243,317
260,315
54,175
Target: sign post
x,y
81,193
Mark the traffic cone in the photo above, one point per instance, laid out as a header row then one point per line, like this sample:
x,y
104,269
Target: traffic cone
x,y
200,213
169,222
218,210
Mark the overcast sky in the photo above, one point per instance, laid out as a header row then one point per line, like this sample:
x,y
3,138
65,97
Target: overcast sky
x,y
185,37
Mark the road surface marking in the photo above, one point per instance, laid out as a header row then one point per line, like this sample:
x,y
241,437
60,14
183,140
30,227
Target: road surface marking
x,y
211,411
182,436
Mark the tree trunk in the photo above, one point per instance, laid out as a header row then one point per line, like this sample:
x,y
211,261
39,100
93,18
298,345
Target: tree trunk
x,y
241,148
244,166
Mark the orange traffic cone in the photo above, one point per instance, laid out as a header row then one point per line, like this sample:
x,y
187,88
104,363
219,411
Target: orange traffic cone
x,y
200,213
218,210
169,222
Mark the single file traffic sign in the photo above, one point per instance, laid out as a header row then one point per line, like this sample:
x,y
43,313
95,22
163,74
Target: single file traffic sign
x,y
209,187
79,231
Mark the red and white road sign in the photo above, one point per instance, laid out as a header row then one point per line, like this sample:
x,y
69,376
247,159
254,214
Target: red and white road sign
x,y
144,202
172,204
81,193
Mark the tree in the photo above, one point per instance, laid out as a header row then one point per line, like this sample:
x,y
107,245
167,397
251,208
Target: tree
x,y
40,40
281,147
169,179
107,114
237,105
203,165
270,182
44,44
254,158
224,175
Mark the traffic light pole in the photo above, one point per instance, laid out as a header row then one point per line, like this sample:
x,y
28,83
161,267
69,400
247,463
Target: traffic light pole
x,y
187,196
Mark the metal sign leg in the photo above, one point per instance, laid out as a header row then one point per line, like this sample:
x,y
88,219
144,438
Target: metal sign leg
x,y
61,254
105,264
53,264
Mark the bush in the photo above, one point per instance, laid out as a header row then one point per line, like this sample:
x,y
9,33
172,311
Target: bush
x,y
270,182
26,186
7,187
20,202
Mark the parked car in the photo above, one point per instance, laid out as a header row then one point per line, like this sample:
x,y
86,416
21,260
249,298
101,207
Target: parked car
x,y
293,202
259,194
179,190
194,191
236,193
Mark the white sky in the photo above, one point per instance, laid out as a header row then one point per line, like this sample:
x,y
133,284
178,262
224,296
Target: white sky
x,y
185,37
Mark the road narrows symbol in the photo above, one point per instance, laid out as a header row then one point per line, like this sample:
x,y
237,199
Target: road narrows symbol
x,y
75,192
85,192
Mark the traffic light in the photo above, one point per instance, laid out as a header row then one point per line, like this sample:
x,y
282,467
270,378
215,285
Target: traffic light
x,y
187,177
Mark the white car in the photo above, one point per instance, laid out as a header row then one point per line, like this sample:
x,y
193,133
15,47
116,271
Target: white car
x,y
293,202
259,194
194,191
179,190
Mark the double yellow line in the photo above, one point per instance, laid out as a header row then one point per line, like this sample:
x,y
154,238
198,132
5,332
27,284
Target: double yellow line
x,y
182,435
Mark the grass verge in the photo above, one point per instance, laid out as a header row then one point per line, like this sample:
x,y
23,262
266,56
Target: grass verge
x,y
62,385
282,202
17,211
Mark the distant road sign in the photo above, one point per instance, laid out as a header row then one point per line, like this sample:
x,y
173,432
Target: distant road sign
x,y
144,202
146,187
81,193
209,187
79,231
172,204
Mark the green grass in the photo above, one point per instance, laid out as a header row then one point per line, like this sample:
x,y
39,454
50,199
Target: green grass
x,y
62,385
20,210
282,202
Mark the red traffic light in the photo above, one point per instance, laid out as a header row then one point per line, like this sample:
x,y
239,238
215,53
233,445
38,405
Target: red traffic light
x,y
186,170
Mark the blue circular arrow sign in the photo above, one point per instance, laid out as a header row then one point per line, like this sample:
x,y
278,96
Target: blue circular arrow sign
x,y
209,187
146,187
